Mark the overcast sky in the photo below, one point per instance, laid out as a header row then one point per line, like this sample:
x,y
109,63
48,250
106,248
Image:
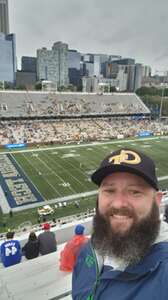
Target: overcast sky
x,y
130,28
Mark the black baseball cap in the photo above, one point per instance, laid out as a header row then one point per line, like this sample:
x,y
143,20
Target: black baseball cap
x,y
127,160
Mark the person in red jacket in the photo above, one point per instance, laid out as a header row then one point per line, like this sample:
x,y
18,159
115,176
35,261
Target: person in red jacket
x,y
71,250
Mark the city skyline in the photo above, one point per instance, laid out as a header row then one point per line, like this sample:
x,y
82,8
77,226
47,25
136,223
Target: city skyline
x,y
129,29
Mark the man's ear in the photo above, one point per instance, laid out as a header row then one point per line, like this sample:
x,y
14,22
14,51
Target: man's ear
x,y
159,196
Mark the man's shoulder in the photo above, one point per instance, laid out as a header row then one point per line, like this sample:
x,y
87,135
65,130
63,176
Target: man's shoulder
x,y
49,234
41,234
85,250
160,249
10,243
41,237
156,259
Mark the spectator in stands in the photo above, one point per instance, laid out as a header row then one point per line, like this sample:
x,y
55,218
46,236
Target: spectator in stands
x,y
71,250
10,251
127,257
31,248
47,240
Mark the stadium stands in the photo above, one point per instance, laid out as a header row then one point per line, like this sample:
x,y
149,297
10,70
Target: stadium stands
x,y
38,279
77,130
41,117
41,278
36,104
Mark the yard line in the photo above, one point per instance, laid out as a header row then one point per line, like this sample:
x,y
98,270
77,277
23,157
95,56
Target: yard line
x,y
67,162
45,179
67,171
70,188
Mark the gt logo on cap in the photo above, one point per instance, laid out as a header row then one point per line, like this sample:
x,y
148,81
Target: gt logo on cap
x,y
124,157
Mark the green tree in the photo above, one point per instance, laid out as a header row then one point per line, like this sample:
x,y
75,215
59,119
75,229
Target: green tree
x,y
38,86
147,91
21,87
113,89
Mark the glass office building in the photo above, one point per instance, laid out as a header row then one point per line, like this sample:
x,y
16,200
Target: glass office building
x,y
7,58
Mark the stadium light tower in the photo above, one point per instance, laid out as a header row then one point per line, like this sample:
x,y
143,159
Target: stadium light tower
x,y
163,90
161,101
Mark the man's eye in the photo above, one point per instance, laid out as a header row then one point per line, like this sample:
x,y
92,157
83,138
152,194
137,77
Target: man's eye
x,y
109,191
135,192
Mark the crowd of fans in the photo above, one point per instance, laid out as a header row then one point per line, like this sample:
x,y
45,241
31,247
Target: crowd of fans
x,y
71,130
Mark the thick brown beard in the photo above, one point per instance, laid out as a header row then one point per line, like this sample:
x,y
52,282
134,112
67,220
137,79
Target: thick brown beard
x,y
130,246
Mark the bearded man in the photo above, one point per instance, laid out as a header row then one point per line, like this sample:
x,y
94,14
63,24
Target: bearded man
x,y
127,256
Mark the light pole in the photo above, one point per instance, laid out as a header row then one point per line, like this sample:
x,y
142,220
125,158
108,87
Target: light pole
x,y
162,95
162,98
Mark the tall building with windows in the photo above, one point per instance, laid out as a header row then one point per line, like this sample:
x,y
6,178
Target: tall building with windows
x,y
4,17
74,64
52,65
28,64
7,58
134,73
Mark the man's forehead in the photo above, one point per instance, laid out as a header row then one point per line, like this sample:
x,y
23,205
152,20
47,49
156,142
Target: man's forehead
x,y
132,179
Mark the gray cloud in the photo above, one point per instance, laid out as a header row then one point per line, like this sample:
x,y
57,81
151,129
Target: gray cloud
x,y
130,28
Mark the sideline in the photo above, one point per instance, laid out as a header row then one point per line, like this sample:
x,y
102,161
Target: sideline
x,y
68,198
82,145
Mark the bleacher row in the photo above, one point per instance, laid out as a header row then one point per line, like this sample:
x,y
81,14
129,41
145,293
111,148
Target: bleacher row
x,y
40,278
37,279
26,104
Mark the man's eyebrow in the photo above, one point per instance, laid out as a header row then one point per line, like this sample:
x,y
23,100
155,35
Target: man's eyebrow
x,y
108,184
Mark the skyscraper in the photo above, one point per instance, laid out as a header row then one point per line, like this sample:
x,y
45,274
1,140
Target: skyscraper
x,y
29,64
4,17
52,65
74,59
7,57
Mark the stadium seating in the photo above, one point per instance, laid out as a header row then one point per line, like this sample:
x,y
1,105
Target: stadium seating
x,y
63,231
37,279
26,104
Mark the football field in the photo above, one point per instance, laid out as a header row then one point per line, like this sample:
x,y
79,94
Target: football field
x,y
65,170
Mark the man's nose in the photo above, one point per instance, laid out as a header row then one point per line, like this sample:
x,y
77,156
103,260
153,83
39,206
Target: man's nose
x,y
120,200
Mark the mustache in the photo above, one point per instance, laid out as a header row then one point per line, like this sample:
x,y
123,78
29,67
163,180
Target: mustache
x,y
124,211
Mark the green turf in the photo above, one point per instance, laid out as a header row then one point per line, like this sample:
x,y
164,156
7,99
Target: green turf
x,y
56,174
60,172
